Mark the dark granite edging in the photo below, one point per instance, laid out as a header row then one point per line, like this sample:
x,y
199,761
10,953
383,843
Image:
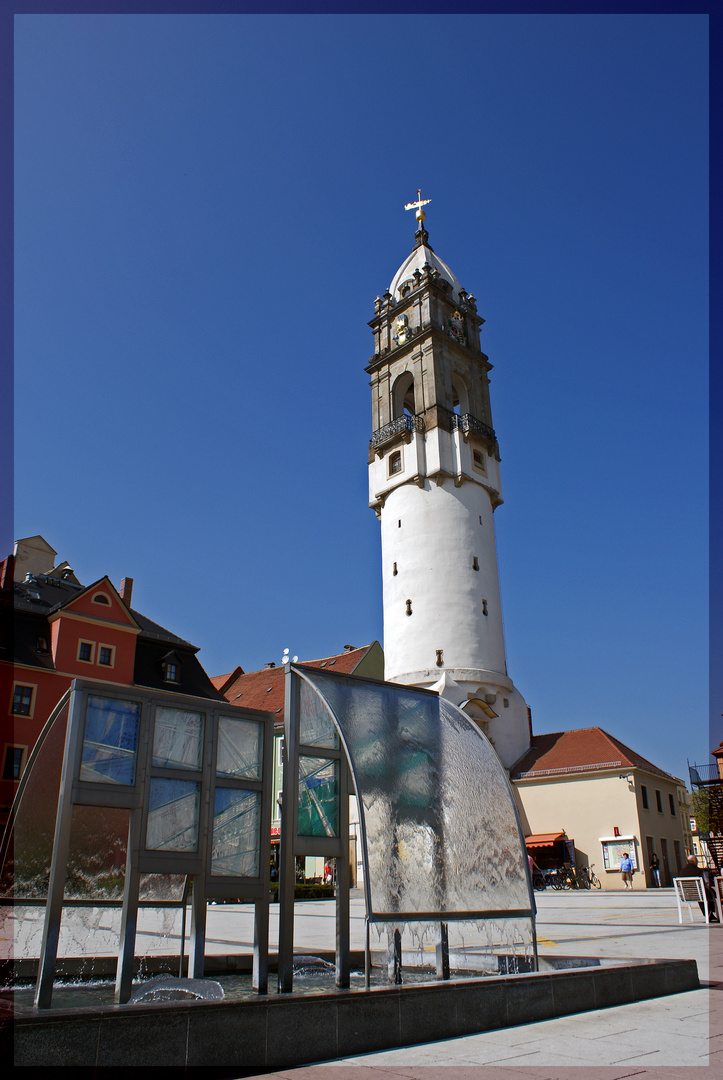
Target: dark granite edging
x,y
283,1031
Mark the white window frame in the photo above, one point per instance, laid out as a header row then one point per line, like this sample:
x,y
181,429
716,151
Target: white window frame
x,y
33,688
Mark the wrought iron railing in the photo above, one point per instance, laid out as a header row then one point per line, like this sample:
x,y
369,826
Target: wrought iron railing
x,y
468,423
703,774
396,427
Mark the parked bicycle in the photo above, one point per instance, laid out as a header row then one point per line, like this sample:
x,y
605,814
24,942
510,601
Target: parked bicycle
x,y
587,878
538,882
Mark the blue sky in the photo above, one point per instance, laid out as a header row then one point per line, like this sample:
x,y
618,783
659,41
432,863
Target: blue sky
x,y
206,207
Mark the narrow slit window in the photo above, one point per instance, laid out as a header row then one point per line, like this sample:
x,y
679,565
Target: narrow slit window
x,y
475,563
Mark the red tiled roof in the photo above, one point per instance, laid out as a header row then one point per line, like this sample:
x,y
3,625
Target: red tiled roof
x,y
584,750
265,689
222,681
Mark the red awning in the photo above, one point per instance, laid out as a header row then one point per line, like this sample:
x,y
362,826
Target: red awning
x,y
546,839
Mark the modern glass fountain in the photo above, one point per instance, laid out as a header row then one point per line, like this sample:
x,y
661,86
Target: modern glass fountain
x,y
134,800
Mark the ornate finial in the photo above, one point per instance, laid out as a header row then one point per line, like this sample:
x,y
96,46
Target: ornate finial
x,y
420,215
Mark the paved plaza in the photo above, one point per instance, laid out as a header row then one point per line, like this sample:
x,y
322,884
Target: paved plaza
x,y
681,1034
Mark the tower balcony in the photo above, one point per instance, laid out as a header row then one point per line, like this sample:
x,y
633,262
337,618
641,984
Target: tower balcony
x,y
403,425
469,424
703,775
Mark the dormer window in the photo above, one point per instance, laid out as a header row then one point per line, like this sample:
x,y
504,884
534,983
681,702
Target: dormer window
x,y
171,668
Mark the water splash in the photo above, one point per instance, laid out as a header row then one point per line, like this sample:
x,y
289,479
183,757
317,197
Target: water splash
x,y
171,988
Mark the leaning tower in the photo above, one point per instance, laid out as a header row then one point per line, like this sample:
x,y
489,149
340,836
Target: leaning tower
x,y
434,482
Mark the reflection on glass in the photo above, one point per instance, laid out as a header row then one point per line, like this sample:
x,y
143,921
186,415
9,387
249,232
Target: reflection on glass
x,y
318,797
236,833
110,744
178,738
240,748
317,727
173,815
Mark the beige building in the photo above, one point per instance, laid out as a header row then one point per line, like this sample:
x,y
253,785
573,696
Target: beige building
x,y
585,792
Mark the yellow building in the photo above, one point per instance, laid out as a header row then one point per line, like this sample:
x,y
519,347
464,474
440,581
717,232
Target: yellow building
x,y
585,796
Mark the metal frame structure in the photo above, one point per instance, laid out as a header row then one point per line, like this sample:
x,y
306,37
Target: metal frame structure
x,y
127,772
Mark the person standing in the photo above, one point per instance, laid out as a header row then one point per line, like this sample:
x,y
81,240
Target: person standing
x,y
655,869
626,870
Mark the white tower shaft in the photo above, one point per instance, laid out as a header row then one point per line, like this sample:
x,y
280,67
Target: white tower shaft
x,y
434,482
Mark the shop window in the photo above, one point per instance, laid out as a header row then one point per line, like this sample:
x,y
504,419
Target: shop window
x,y
613,849
23,700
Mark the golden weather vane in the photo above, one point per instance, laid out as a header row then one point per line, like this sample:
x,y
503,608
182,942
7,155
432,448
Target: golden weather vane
x,y
420,215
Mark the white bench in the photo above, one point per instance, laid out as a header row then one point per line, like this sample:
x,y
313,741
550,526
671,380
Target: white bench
x,y
689,891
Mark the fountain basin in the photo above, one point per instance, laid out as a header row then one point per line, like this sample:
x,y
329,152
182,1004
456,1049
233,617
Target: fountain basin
x,y
278,1031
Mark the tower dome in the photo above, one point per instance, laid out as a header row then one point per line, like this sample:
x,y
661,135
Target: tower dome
x,y
422,255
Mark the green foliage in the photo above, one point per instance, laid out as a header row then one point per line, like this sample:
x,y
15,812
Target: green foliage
x,y
700,809
305,892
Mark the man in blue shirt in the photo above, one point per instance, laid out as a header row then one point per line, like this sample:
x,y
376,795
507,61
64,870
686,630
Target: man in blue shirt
x,y
626,870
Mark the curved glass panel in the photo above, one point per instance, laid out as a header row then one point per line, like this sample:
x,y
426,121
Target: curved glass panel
x,y
435,805
316,727
236,832
177,738
26,868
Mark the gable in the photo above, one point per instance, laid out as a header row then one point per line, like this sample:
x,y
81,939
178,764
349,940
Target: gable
x,y
101,603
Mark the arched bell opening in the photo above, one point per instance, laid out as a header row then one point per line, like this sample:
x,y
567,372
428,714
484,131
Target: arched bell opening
x,y
403,400
460,395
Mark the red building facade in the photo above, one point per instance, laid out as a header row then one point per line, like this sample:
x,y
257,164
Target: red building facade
x,y
54,630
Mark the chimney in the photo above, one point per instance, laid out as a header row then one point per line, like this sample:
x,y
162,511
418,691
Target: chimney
x,y
126,590
7,572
